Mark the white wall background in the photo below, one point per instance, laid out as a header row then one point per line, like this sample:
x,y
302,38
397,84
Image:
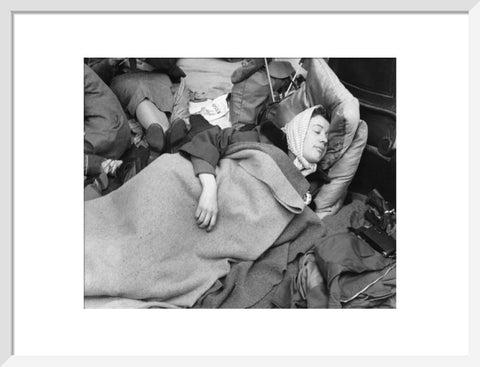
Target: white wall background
x,y
432,117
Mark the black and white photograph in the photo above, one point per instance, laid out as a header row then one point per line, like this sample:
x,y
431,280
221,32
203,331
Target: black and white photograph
x,y
251,176
240,183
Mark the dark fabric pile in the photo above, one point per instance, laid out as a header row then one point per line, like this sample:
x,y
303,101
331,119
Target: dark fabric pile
x,y
324,267
252,283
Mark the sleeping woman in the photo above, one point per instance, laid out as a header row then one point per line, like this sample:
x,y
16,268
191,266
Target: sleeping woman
x,y
304,139
168,234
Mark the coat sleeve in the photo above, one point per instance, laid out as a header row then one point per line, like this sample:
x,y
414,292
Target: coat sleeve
x,y
201,166
208,147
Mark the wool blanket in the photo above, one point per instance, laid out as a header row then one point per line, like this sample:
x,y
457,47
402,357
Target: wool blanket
x,y
251,284
269,281
142,241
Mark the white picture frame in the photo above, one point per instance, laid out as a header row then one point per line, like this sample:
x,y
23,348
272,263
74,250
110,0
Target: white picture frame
x,y
7,249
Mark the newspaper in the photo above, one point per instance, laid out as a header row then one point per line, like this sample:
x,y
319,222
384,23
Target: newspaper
x,y
215,111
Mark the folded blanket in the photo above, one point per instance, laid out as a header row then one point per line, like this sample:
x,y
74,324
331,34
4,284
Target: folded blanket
x,y
142,242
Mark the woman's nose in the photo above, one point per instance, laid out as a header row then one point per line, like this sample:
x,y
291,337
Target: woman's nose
x,y
323,137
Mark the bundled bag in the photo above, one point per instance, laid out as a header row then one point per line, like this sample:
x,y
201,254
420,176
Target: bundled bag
x,y
347,135
249,95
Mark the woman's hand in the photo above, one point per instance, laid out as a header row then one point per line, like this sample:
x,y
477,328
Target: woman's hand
x,y
207,209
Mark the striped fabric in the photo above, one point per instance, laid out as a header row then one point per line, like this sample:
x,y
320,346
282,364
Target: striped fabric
x,y
296,130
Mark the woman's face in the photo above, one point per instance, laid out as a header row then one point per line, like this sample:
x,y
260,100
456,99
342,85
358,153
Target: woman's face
x,y
315,143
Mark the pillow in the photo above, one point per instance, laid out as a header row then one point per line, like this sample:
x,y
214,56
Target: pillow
x,y
347,136
330,198
323,87
344,120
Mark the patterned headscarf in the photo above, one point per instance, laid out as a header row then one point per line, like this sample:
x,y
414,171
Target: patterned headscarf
x,y
296,130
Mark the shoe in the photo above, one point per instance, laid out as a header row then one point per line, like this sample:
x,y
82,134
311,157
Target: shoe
x,y
176,135
156,138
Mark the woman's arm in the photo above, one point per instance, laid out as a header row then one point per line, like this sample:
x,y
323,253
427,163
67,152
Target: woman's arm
x,y
207,209
205,150
210,145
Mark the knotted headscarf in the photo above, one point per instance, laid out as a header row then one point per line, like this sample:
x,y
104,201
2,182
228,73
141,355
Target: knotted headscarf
x,y
296,130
